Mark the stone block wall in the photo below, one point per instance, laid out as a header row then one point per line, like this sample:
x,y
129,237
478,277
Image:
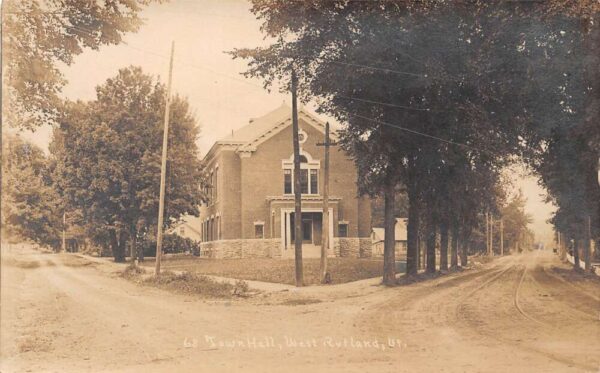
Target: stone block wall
x,y
352,247
251,248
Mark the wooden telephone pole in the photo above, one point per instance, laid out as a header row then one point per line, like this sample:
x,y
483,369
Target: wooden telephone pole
x,y
325,220
163,168
297,186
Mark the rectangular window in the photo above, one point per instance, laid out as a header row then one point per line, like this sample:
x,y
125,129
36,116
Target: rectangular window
x,y
287,181
216,184
259,230
343,230
314,181
304,181
212,189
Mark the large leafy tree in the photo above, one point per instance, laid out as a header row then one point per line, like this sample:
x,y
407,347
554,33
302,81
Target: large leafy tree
x,y
108,158
31,208
39,35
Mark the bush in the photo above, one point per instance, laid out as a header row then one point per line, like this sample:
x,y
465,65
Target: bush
x,y
172,244
193,283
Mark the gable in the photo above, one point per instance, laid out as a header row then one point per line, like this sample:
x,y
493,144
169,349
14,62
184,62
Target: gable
x,y
305,121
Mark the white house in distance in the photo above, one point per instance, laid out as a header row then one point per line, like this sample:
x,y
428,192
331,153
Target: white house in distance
x,y
378,235
187,228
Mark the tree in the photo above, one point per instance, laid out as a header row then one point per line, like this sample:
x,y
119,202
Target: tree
x,y
108,158
31,208
37,35
516,220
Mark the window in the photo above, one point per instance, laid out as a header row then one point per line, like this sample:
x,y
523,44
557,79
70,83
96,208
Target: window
x,y
314,181
343,230
216,184
182,230
259,230
304,181
213,188
220,233
287,181
308,173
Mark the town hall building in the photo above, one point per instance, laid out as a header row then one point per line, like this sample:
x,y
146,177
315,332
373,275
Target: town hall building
x,y
250,211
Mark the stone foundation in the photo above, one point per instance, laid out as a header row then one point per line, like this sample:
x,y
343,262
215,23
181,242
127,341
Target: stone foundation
x,y
352,247
250,248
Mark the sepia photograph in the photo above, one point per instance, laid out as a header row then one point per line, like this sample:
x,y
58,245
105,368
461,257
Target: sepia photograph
x,y
300,186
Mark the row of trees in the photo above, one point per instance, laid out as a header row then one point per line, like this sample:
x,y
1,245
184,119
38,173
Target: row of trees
x,y
438,97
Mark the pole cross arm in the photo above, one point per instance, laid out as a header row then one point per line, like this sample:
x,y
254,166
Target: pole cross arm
x,y
330,143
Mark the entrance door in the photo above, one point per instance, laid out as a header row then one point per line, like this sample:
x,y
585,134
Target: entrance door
x,y
307,228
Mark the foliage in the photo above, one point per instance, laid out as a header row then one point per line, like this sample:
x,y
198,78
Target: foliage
x,y
31,208
107,155
193,283
423,92
172,244
38,36
516,222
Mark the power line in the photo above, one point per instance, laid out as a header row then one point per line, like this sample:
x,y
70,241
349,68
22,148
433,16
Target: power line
x,y
177,60
419,133
348,113
384,103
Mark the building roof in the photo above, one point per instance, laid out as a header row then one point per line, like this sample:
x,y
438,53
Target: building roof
x,y
378,234
257,126
258,130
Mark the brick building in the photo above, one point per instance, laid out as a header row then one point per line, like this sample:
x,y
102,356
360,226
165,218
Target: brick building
x,y
251,208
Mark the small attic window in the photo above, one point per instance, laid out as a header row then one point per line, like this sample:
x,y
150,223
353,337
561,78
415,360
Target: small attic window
x,y
303,159
302,136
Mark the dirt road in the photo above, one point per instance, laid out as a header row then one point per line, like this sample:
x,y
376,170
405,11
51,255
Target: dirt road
x,y
519,314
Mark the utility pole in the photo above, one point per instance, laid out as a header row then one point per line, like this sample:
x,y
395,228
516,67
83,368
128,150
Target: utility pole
x,y
64,232
163,168
297,186
325,222
501,236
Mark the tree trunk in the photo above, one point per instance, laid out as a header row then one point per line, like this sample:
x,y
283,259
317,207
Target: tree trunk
x,y
576,254
587,247
444,245
389,247
454,247
412,250
132,245
464,248
430,242
140,253
116,247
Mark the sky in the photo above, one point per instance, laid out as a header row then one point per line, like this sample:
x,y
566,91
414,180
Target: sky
x,y
221,98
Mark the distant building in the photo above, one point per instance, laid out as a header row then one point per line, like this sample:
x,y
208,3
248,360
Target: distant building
x,y
251,208
401,236
188,229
